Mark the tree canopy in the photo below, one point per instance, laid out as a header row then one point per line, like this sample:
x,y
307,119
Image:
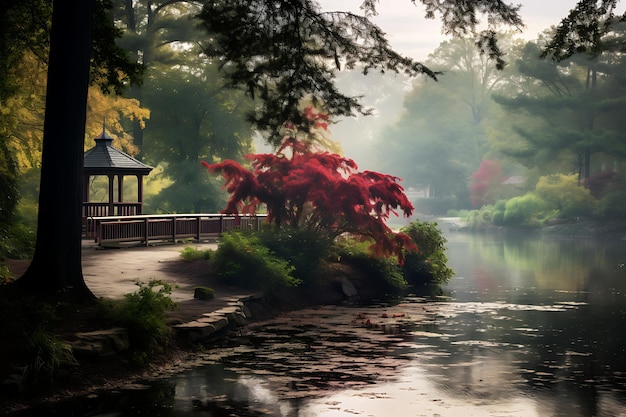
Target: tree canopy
x,y
289,53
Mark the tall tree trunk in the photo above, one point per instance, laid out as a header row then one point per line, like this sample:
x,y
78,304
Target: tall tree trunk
x,y
592,83
56,265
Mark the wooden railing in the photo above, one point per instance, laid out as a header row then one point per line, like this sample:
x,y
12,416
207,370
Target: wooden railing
x,y
146,229
91,209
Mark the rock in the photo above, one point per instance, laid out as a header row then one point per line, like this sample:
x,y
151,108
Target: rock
x,y
216,320
101,342
348,288
196,330
203,293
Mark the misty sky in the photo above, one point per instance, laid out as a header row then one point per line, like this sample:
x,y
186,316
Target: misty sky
x,y
416,37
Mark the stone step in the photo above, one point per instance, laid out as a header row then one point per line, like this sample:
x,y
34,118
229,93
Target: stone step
x,y
236,314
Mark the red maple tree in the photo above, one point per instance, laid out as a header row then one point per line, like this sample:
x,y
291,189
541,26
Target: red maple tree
x,y
485,181
303,186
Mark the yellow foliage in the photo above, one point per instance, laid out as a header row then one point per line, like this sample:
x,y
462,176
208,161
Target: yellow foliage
x,y
564,193
112,111
562,188
22,115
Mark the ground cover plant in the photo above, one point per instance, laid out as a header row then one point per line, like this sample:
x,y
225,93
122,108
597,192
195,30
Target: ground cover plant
x,y
143,313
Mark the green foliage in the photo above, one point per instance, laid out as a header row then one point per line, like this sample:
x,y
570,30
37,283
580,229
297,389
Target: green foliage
x,y
9,194
5,274
47,355
18,242
17,238
497,215
464,213
382,271
194,117
190,254
555,195
527,210
481,218
143,313
191,192
243,260
612,205
563,193
430,263
303,248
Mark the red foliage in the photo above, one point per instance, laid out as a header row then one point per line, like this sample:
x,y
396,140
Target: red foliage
x,y
487,177
322,191
599,183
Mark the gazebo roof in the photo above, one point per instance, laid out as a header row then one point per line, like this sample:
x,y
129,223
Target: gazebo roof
x,y
105,159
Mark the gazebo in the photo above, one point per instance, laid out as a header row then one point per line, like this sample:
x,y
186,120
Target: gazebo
x,y
105,160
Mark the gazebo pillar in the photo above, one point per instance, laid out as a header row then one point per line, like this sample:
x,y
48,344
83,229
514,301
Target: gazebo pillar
x,y
140,193
111,211
120,188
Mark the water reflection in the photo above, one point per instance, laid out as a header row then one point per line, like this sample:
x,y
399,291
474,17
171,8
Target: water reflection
x,y
528,328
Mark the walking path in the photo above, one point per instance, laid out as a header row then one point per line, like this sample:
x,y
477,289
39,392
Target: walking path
x,y
111,273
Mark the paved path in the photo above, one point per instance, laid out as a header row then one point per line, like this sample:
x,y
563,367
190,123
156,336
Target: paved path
x,y
111,273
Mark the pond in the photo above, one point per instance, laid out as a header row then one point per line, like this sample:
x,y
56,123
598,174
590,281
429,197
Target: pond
x,y
527,327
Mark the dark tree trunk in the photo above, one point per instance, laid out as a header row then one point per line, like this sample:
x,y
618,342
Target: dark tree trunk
x,y
56,265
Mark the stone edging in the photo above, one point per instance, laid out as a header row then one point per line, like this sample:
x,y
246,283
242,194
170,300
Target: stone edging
x,y
236,314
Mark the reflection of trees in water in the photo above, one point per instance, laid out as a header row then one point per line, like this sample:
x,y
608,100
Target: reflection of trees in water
x,y
570,357
554,264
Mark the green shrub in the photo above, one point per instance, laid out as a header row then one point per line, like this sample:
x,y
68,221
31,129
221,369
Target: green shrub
x,y
430,264
384,272
302,248
612,205
243,260
527,210
17,241
143,313
497,214
479,219
191,254
563,193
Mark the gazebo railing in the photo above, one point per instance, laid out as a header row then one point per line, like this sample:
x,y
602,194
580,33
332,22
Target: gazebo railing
x,y
146,229
91,209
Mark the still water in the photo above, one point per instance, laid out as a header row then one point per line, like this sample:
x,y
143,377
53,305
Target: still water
x,y
527,327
